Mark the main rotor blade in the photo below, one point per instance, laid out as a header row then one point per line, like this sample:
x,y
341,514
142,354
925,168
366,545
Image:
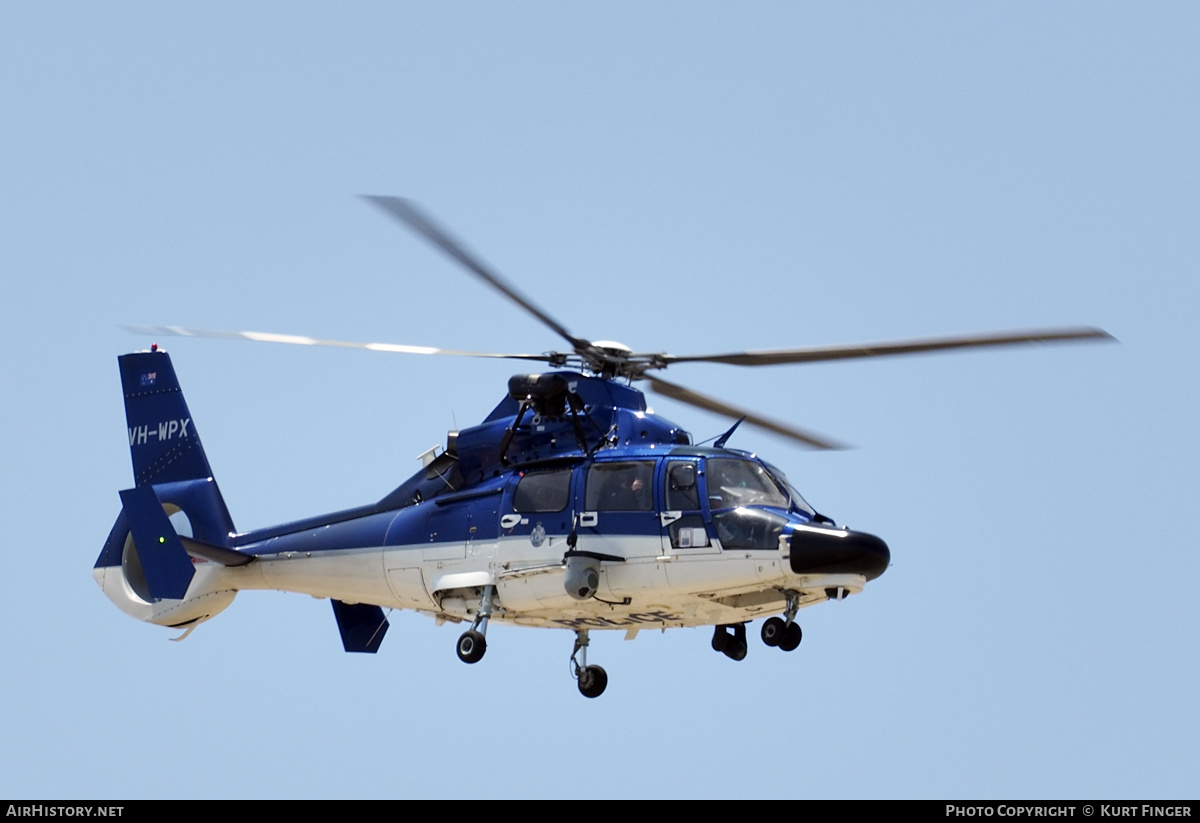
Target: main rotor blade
x,y
298,340
407,212
776,357
692,398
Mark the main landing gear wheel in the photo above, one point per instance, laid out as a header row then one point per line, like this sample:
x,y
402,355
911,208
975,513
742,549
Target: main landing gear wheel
x,y
732,645
472,643
592,681
471,646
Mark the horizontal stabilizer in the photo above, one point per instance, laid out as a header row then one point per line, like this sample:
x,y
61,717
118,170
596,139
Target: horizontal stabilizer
x,y
216,554
362,626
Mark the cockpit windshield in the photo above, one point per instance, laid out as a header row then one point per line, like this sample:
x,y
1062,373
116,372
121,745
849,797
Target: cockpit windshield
x,y
794,496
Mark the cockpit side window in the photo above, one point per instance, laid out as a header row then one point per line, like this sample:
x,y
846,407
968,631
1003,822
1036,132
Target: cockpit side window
x,y
683,490
620,487
543,492
749,528
733,483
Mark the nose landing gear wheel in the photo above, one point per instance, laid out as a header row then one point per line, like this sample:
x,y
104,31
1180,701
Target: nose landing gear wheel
x,y
773,631
791,638
784,632
592,681
471,646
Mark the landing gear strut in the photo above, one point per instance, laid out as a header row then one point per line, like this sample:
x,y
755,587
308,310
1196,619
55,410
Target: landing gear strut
x,y
592,679
473,643
732,645
784,632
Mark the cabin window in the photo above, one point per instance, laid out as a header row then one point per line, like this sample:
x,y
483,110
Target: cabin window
x,y
620,487
543,492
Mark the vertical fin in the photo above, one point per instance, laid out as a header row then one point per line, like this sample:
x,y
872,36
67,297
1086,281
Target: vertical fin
x,y
163,442
362,626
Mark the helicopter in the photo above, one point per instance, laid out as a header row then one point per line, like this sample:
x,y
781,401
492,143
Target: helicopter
x,y
571,506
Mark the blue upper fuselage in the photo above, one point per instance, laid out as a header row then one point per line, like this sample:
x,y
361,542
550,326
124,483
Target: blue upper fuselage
x,y
604,431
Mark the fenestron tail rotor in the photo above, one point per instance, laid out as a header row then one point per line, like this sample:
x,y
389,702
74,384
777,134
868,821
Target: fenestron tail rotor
x,y
614,360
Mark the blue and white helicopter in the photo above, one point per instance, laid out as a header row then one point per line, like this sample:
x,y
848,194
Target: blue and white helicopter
x,y
572,506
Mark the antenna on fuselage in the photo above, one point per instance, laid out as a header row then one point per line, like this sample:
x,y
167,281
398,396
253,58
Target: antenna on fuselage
x,y
723,439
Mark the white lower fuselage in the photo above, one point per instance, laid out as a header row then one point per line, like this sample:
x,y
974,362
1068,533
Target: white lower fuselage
x,y
651,588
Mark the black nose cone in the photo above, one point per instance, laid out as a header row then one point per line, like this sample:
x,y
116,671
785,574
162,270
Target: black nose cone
x,y
820,550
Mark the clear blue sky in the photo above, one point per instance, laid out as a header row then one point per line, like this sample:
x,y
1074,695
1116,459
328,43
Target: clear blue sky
x,y
689,177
